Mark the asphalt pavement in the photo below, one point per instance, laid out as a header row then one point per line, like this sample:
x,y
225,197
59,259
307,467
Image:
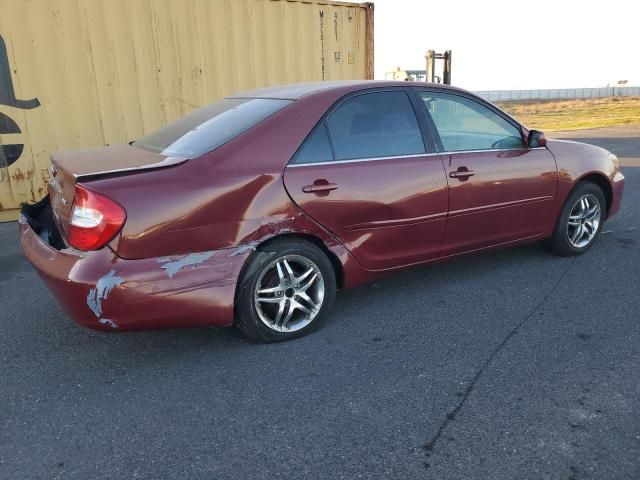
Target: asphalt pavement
x,y
509,365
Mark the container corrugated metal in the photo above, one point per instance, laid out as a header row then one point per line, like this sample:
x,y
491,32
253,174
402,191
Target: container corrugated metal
x,y
82,73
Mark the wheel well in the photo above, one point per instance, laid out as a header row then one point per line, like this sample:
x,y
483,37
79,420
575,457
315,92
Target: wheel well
x,y
602,182
335,262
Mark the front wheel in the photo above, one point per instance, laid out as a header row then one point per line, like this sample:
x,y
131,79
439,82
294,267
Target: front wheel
x,y
285,291
579,222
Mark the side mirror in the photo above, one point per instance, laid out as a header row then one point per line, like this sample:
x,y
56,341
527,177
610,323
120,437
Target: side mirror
x,y
536,139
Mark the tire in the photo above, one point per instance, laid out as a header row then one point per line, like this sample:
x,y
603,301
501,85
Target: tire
x,y
567,240
292,275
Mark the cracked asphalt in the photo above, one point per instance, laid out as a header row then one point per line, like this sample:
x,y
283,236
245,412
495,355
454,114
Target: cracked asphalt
x,y
513,364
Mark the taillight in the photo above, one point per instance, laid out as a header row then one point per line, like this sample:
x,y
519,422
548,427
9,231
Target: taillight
x,y
95,220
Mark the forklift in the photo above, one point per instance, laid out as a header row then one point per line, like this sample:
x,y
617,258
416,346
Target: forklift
x,y
428,75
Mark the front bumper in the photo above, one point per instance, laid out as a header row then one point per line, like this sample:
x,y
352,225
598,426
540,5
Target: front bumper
x,y
103,291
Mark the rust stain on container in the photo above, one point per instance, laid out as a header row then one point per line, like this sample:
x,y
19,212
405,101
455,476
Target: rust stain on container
x,y
118,69
19,176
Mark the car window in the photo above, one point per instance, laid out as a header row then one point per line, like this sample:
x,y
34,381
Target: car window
x,y
316,148
467,125
209,127
380,124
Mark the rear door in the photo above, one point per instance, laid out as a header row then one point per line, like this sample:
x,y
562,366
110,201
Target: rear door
x,y
368,173
499,190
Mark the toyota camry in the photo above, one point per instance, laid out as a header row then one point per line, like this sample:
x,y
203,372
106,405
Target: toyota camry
x,y
254,210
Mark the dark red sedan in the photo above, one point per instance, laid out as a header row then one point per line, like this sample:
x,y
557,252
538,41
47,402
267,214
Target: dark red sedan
x,y
253,210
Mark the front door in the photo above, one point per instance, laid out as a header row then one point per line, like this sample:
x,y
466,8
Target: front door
x,y
368,175
499,190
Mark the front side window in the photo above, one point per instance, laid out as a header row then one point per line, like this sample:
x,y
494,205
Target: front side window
x,y
379,124
467,125
209,127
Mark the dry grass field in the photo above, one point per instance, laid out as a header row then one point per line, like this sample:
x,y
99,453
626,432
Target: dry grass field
x,y
575,114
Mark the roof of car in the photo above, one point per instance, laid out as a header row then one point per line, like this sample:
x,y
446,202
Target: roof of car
x,y
295,91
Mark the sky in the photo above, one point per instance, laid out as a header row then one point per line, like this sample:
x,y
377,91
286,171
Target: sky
x,y
501,44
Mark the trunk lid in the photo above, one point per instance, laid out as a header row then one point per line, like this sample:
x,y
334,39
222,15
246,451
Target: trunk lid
x,y
78,166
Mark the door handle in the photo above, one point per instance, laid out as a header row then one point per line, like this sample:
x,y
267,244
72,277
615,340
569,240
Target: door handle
x,y
462,173
320,186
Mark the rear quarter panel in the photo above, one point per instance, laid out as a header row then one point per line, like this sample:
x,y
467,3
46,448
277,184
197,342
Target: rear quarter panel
x,y
224,198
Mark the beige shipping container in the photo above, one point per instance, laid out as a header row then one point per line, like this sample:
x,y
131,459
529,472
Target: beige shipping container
x,y
83,73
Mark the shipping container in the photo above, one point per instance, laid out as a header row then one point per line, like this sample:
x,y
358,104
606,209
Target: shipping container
x,y
84,73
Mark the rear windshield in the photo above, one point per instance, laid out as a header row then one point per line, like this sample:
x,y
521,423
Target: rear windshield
x,y
206,129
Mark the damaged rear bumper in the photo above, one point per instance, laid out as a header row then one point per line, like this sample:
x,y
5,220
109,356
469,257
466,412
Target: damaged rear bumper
x,y
103,291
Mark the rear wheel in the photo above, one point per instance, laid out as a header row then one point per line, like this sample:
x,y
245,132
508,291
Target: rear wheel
x,y
285,292
579,222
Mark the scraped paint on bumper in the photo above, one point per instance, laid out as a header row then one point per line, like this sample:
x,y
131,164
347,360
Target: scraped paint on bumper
x,y
105,292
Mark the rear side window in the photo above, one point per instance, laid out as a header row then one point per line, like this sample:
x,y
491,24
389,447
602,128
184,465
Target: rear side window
x,y
206,129
467,125
316,148
379,124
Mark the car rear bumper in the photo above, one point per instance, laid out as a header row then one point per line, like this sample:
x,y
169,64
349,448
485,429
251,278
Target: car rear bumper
x,y
617,185
103,291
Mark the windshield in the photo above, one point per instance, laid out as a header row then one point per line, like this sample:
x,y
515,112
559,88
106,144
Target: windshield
x,y
209,127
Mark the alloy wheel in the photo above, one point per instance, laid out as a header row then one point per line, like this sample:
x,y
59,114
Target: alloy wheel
x,y
289,293
584,220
